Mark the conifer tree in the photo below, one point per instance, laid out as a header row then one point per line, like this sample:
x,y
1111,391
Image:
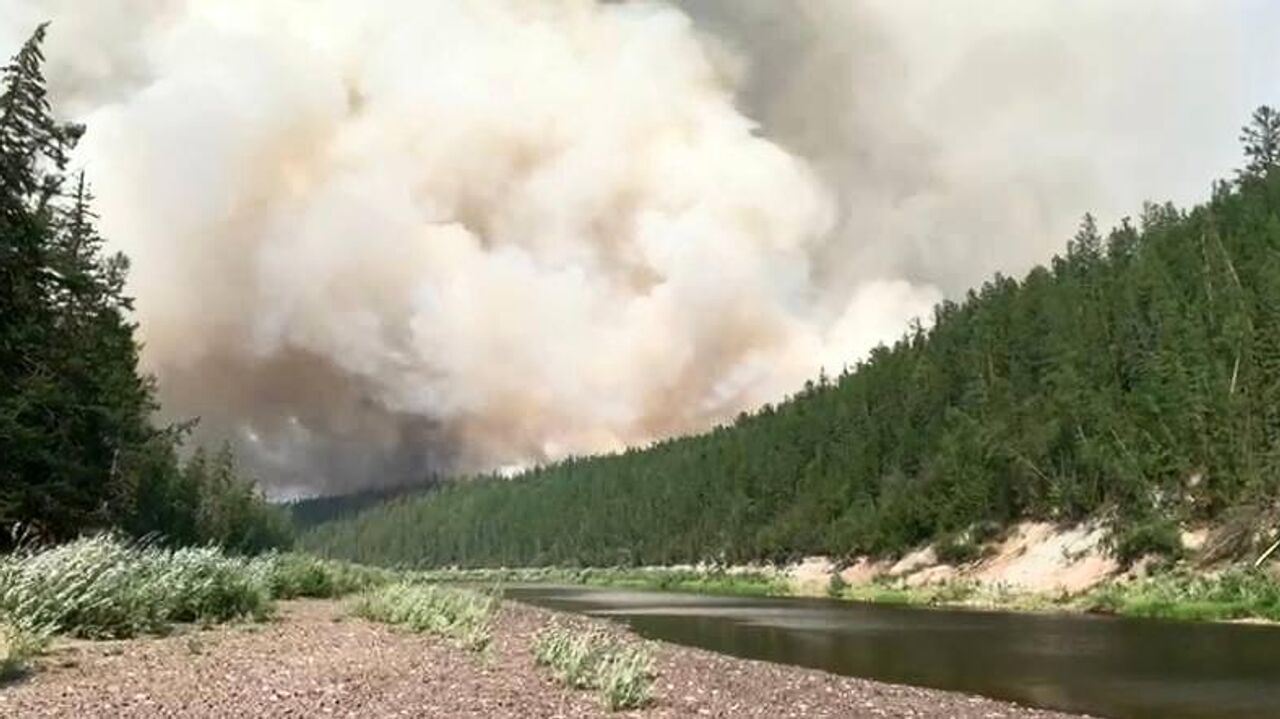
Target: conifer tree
x,y
1261,139
78,451
74,403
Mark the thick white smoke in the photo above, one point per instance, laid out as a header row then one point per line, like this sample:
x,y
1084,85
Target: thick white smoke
x,y
378,238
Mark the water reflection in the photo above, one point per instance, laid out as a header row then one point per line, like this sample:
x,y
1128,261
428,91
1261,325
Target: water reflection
x,y
1103,666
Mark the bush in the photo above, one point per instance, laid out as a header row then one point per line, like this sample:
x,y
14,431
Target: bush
x,y
291,575
461,615
101,587
204,585
836,585
623,675
956,551
1159,538
985,531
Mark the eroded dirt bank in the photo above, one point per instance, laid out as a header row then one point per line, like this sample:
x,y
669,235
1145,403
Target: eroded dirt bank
x,y
1030,558
315,661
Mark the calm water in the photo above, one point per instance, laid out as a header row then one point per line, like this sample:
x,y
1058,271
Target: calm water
x,y
1128,669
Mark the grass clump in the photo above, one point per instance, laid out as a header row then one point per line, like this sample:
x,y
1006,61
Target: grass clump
x,y
291,575
621,674
17,646
460,615
1233,594
102,587
572,657
626,678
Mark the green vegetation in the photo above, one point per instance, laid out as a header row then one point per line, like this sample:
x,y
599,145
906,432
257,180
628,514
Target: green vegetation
x,y
290,576
102,587
836,585
622,674
463,616
957,550
204,500
17,646
77,448
708,581
311,511
953,593
1158,538
1234,594
1136,377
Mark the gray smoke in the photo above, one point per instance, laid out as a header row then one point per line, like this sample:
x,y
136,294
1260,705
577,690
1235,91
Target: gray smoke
x,y
372,240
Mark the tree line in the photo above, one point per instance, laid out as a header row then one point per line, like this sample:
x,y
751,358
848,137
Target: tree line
x,y
310,511
78,449
1135,377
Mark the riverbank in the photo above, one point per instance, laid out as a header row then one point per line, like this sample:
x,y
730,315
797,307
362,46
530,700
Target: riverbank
x,y
315,659
1034,567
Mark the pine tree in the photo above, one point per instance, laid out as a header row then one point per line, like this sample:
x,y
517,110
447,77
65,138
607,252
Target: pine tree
x,y
73,403
1261,139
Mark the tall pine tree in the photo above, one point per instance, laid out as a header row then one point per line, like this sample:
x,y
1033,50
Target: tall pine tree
x,y
73,405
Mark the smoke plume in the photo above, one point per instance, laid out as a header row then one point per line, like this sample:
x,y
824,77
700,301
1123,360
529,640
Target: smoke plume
x,y
372,240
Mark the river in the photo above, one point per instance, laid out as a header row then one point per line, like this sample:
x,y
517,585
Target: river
x,y
1109,667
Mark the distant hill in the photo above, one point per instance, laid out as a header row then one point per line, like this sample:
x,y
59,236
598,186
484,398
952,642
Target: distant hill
x,y
1136,377
311,511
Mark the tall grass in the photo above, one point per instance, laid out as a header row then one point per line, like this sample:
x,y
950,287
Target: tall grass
x,y
460,615
17,646
622,674
104,587
101,587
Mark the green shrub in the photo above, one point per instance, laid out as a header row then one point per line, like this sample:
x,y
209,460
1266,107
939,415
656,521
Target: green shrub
x,y
955,550
1159,538
291,575
836,585
204,585
623,675
983,532
463,616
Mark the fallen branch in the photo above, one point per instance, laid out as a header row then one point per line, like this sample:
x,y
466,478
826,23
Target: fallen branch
x,y
1270,550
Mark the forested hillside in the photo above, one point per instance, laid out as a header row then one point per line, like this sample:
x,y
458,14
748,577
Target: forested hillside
x,y
311,511
1137,377
78,449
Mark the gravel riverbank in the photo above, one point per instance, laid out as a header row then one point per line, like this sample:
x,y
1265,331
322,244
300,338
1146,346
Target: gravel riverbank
x,y
316,661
